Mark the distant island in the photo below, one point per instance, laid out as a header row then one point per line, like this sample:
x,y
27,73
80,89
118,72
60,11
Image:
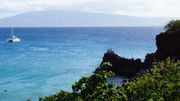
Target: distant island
x,y
158,79
78,19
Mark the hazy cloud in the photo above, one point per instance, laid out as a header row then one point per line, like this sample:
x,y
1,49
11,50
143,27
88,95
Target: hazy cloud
x,y
151,8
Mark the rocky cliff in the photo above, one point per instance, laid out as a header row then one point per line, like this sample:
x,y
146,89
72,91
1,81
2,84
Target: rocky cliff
x,y
168,45
123,66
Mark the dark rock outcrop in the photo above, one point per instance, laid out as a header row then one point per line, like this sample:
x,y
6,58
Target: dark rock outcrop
x,y
149,59
168,45
123,66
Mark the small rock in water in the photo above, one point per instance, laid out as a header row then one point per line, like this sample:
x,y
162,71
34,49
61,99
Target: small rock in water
x,y
125,80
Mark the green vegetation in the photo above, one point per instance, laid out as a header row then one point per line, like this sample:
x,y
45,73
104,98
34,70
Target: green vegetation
x,y
162,83
173,25
93,87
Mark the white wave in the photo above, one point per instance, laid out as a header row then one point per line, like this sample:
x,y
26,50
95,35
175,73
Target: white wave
x,y
39,49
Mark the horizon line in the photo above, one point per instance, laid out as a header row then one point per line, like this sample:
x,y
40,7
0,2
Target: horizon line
x,y
70,26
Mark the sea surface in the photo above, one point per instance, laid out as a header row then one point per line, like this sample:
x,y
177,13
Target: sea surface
x,y
51,59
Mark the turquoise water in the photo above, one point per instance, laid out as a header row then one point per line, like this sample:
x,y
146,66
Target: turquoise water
x,y
50,59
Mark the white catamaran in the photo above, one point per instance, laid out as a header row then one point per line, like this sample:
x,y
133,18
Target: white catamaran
x,y
13,38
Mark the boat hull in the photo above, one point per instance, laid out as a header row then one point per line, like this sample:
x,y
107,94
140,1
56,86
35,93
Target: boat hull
x,y
13,40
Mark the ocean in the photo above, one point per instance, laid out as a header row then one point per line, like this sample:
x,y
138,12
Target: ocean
x,y
48,60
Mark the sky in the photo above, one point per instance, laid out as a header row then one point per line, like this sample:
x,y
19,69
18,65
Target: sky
x,y
140,8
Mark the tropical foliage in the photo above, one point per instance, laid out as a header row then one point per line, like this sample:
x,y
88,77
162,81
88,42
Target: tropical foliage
x,y
162,83
173,25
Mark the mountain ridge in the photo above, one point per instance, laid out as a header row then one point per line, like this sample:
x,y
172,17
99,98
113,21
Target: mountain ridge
x,y
73,19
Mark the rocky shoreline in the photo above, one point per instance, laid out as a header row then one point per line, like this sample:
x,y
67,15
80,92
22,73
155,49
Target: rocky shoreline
x,y
168,45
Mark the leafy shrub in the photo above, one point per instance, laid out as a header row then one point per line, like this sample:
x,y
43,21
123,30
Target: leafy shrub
x,y
173,25
162,83
93,87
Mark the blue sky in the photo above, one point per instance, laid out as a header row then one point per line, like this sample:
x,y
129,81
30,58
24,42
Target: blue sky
x,y
148,8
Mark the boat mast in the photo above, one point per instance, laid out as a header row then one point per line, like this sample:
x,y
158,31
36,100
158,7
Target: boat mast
x,y
12,31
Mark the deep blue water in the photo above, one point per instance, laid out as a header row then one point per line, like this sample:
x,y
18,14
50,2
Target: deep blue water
x,y
50,59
